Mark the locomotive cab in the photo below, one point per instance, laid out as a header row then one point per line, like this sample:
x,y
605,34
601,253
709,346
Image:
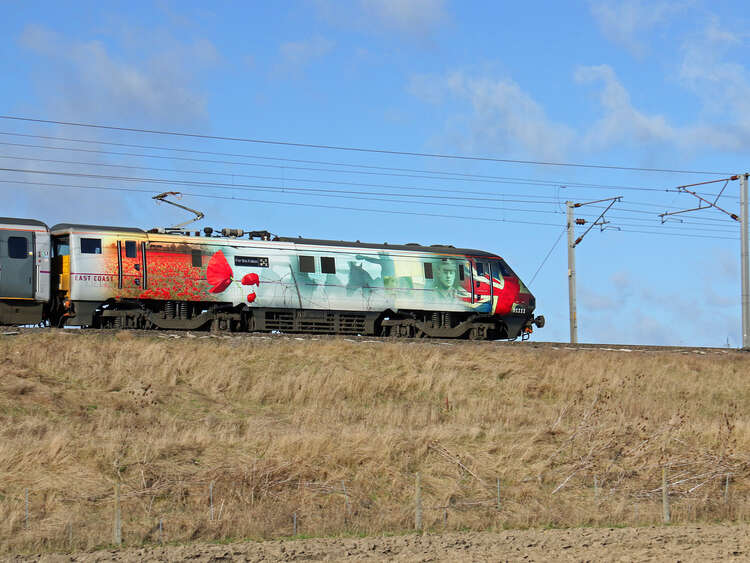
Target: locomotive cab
x,y
499,291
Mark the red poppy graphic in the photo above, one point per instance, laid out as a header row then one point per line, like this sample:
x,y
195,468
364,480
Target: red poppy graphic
x,y
218,273
251,279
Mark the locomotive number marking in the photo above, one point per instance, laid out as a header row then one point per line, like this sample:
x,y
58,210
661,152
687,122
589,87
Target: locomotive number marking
x,y
251,261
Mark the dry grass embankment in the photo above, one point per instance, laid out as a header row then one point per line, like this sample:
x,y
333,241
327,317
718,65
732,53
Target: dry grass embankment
x,y
576,437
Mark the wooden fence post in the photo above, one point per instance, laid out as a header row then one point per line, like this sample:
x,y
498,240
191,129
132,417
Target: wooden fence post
x,y
211,498
346,499
665,496
418,505
117,532
726,489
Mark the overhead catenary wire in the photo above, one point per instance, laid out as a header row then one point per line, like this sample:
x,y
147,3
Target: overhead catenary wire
x,y
294,203
346,208
544,261
419,195
446,176
353,149
289,189
315,192
258,187
438,173
504,198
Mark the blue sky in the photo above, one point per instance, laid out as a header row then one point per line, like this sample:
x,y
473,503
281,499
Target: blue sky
x,y
626,83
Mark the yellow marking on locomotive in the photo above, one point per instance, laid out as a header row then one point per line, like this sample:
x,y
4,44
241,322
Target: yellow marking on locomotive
x,y
63,266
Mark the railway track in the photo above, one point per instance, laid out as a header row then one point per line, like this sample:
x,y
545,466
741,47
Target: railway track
x,y
284,337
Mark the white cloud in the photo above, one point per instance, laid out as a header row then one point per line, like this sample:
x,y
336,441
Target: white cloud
x,y
616,298
628,22
120,82
410,18
722,85
406,16
83,79
295,55
621,122
503,117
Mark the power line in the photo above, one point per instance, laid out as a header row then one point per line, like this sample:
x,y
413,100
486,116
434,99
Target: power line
x,y
440,174
451,174
462,178
355,149
503,198
554,245
111,165
315,192
345,208
298,204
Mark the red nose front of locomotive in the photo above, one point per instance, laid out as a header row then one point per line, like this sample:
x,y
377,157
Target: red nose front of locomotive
x,y
511,297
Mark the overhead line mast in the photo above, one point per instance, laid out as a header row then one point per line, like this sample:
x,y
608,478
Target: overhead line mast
x,y
743,220
744,262
572,243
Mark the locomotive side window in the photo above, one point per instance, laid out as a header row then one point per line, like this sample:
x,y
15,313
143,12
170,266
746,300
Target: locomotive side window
x,y
505,269
327,265
428,270
197,260
461,272
307,264
91,246
130,249
18,247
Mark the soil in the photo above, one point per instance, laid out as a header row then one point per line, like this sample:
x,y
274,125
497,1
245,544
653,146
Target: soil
x,y
668,543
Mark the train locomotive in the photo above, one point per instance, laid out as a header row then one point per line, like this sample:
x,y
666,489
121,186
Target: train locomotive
x,y
117,277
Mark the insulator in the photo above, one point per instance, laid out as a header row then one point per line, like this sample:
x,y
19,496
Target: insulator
x,y
580,221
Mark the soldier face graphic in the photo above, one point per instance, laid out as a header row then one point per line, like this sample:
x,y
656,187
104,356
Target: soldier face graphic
x,y
446,275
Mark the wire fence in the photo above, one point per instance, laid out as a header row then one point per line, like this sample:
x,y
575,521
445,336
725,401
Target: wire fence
x,y
206,511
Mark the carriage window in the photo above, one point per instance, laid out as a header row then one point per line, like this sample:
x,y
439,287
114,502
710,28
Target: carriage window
x,y
428,270
196,257
328,265
62,246
307,264
18,247
130,250
91,246
461,272
480,268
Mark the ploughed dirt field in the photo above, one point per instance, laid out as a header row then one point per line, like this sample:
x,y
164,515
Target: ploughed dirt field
x,y
659,543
